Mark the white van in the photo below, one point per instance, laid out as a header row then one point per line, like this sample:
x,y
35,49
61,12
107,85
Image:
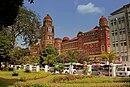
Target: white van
x,y
123,71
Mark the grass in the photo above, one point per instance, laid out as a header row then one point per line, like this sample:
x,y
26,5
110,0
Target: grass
x,y
42,79
7,79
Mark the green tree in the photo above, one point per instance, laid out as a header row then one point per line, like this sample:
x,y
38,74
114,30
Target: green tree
x,y
9,10
27,27
59,67
48,55
61,58
72,56
109,56
5,47
19,55
83,57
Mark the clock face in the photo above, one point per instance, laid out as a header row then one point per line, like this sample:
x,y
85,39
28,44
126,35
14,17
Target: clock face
x,y
49,29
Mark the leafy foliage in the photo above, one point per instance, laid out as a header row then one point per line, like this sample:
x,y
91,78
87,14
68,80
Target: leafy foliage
x,y
27,26
9,10
48,55
5,47
72,56
59,67
109,56
18,54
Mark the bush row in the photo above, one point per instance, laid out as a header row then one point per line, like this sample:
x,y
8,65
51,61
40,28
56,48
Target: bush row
x,y
69,78
72,85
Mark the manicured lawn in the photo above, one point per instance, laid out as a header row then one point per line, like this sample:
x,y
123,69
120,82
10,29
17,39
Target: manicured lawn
x,y
42,79
7,79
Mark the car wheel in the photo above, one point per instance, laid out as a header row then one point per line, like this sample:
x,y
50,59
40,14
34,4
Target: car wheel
x,y
66,72
74,72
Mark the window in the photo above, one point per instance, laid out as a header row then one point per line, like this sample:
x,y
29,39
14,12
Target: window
x,y
113,45
112,34
128,68
111,22
103,48
124,58
122,19
125,43
115,33
121,44
102,34
49,37
119,21
115,22
124,32
120,32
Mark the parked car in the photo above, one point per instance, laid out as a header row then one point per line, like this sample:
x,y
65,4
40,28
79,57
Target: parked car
x,y
67,70
101,70
106,72
51,69
123,71
96,70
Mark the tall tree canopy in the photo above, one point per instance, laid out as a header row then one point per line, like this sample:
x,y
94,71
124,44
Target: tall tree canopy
x,y
27,27
5,47
9,11
48,55
72,56
18,54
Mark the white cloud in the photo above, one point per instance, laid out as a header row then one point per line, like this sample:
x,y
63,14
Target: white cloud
x,y
90,8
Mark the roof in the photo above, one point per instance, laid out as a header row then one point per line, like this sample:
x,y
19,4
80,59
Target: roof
x,y
47,17
103,19
118,10
94,29
75,38
66,38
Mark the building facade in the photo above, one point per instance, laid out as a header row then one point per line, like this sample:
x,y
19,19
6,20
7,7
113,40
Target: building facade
x,y
120,33
47,32
92,42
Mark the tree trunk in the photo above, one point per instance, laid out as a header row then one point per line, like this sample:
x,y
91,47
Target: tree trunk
x,y
6,65
0,65
109,66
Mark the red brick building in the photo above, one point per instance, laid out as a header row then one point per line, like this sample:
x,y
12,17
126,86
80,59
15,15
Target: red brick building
x,y
47,32
93,42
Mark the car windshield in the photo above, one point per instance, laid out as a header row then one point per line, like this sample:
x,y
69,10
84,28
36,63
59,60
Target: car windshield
x,y
120,69
128,68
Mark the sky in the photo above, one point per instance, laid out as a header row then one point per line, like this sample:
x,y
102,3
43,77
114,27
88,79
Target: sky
x,y
71,16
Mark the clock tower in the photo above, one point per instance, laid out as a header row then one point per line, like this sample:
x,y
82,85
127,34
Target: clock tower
x,y
47,32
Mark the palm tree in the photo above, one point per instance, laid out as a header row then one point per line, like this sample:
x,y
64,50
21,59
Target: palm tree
x,y
109,56
83,57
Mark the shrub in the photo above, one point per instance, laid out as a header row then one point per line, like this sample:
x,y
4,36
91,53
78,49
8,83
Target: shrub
x,y
10,69
27,70
15,73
